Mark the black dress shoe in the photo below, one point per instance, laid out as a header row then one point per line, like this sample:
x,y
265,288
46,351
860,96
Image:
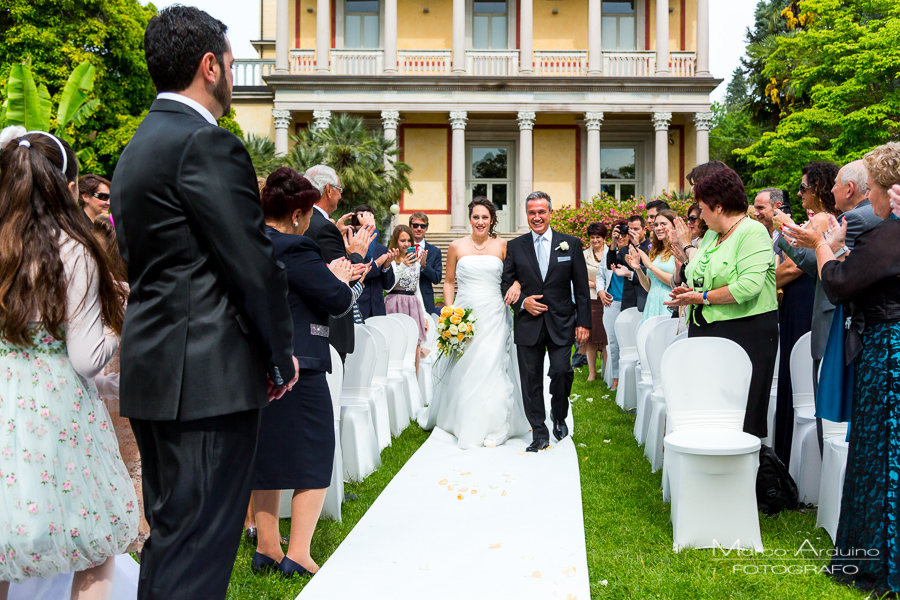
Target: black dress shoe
x,y
289,568
251,535
538,444
262,563
560,430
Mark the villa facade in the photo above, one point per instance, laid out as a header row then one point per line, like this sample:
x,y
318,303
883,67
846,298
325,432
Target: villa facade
x,y
494,98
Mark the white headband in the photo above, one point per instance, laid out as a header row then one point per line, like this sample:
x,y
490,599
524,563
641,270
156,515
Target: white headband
x,y
58,143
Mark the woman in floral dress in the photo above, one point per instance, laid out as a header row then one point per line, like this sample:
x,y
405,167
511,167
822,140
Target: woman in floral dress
x,y
66,501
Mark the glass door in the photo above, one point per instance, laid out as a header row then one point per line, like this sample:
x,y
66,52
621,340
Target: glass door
x,y
489,25
361,19
618,172
618,31
490,175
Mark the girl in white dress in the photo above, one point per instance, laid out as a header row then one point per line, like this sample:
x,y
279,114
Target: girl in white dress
x,y
66,501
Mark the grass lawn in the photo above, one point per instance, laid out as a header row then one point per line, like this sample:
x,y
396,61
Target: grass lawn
x,y
627,528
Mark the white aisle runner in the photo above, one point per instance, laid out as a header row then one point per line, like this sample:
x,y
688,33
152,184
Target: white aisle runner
x,y
511,527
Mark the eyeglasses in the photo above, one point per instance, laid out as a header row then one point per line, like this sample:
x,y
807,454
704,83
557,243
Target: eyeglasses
x,y
100,196
419,226
338,188
692,219
804,187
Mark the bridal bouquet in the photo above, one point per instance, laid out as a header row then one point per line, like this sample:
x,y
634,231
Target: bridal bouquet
x,y
455,330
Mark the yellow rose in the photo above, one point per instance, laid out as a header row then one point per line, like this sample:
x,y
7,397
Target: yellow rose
x,y
446,335
458,312
461,336
468,328
446,312
456,320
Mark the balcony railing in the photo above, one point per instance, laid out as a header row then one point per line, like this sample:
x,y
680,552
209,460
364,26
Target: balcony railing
x,y
492,63
481,63
560,64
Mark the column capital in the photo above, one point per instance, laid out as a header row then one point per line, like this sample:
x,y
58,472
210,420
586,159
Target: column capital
x,y
526,119
390,119
322,119
282,118
593,120
458,119
661,121
703,120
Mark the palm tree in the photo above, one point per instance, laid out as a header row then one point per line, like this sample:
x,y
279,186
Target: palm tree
x,y
262,154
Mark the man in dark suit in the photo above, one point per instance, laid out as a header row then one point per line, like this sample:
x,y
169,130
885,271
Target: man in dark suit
x,y
335,245
551,269
430,257
379,277
207,318
633,293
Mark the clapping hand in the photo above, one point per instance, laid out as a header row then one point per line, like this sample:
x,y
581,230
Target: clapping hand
x,y
342,225
342,269
894,195
387,257
358,243
423,257
636,256
682,233
621,270
360,270
683,296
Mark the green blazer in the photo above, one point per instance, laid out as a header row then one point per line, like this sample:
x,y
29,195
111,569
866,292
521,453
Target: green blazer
x,y
745,262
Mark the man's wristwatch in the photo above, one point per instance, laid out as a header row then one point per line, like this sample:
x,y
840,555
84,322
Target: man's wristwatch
x,y
705,299
841,252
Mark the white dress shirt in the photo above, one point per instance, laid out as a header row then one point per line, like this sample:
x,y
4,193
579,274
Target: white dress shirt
x,y
188,102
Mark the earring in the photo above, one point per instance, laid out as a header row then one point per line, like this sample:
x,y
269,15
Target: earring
x,y
296,224
214,82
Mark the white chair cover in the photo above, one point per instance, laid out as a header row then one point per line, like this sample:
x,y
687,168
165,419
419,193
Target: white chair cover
x,y
805,465
381,415
396,347
773,401
426,383
414,400
358,443
656,423
831,488
711,469
644,376
626,333
334,495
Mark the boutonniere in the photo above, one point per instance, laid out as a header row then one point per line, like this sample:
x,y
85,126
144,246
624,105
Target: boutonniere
x,y
564,246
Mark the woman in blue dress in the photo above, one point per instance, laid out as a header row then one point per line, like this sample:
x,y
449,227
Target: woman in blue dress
x,y
868,280
659,263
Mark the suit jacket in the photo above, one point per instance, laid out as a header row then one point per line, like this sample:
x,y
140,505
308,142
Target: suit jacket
x,y
314,294
567,277
326,235
371,301
633,293
860,219
207,314
430,275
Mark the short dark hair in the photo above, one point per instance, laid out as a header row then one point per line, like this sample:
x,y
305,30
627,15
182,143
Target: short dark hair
x,y
286,191
820,176
420,216
363,208
723,188
658,205
701,171
640,218
539,195
175,42
597,228
88,184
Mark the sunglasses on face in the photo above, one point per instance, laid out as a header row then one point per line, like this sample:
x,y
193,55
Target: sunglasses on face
x,y
419,226
692,219
100,196
804,187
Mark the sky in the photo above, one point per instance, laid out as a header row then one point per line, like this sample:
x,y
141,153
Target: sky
x,y
728,19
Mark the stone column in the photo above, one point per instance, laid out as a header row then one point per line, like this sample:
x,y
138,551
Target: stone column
x,y
458,172
702,122
595,46
593,121
282,38
526,35
323,36
459,37
661,163
390,120
525,180
702,67
282,128
390,37
321,119
662,37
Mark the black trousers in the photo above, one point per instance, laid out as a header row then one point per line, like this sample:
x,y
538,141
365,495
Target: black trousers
x,y
196,480
531,374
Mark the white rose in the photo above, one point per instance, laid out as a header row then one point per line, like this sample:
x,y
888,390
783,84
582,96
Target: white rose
x,y
454,340
454,330
564,246
441,326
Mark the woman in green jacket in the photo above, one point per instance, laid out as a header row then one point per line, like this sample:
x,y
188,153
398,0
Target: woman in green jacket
x,y
730,286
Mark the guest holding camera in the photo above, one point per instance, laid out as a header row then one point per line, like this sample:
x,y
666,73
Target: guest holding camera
x,y
632,234
732,291
381,276
296,437
869,280
406,296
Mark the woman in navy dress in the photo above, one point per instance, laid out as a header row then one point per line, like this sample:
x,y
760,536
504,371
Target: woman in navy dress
x,y
869,281
296,437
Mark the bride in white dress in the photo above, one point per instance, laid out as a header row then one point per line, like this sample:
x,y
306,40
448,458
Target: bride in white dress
x,y
477,397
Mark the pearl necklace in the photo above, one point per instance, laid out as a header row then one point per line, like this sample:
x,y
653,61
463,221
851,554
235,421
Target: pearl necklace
x,y
472,239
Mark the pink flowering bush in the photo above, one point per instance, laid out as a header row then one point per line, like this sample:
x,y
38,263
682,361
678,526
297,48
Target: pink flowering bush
x,y
607,210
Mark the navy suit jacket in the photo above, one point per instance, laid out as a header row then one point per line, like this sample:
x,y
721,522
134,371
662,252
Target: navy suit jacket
x,y
431,274
314,294
371,301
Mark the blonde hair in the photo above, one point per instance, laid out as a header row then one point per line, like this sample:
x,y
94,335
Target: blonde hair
x,y
884,164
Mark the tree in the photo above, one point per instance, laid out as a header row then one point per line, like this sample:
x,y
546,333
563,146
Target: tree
x,y
762,41
733,126
58,35
359,157
847,61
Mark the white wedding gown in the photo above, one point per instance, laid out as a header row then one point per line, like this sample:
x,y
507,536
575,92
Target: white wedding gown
x,y
478,397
